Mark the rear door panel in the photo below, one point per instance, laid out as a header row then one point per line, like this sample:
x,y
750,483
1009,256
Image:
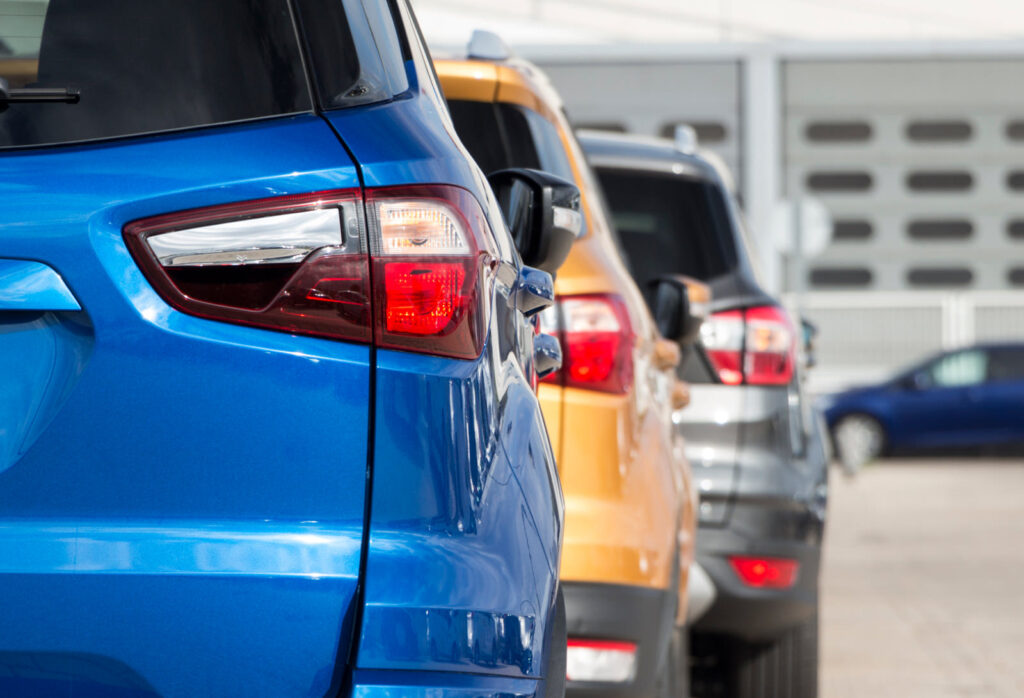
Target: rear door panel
x,y
180,498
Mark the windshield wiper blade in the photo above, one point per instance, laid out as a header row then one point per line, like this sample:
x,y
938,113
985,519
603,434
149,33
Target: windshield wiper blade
x,y
63,95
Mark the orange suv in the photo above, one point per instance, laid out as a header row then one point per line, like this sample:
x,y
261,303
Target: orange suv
x,y
630,506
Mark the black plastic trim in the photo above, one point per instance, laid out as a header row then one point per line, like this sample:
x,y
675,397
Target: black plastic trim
x,y
618,612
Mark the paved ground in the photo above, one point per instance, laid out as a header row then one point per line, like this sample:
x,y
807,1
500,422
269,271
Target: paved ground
x,y
924,581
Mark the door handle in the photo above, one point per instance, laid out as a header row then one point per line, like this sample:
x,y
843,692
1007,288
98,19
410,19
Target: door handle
x,y
33,286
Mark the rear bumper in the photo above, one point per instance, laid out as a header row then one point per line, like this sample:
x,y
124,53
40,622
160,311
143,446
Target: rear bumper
x,y
616,612
769,528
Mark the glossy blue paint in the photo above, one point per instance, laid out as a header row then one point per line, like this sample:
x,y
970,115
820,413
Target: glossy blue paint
x,y
189,494
50,351
182,501
26,285
918,412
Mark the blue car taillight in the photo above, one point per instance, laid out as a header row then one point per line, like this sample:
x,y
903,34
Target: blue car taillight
x,y
411,275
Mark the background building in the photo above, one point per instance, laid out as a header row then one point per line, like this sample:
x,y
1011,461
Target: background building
x,y
903,117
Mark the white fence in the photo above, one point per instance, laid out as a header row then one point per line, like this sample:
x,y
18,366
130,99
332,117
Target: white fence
x,y
867,336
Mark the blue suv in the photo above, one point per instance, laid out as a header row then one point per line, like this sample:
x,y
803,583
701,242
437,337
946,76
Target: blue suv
x,y
268,424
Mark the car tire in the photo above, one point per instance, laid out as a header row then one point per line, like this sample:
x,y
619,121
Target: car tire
x,y
858,439
784,668
554,675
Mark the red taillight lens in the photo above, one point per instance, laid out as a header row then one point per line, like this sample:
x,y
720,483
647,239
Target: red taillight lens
x,y
766,572
431,250
421,299
299,264
756,345
597,343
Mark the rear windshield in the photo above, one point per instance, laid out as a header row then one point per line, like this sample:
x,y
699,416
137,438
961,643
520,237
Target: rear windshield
x,y
670,225
147,65
143,66
500,136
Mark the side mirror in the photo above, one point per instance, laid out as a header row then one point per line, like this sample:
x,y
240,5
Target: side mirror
x,y
543,213
680,307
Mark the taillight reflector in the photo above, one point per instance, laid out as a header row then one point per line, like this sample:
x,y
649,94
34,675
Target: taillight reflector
x,y
300,264
766,572
600,660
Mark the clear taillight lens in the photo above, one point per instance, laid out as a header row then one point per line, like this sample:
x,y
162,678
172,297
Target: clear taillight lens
x,y
754,346
722,337
597,343
302,264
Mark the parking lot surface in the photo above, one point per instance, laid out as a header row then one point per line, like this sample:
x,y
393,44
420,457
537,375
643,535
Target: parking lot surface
x,y
923,585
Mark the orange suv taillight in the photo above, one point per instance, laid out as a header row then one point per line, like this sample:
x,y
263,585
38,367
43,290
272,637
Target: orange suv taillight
x,y
409,273
597,343
756,346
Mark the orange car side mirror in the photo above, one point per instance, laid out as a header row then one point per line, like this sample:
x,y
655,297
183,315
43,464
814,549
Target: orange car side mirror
x,y
680,395
666,355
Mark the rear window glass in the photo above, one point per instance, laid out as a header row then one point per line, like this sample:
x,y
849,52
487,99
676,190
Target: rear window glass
x,y
500,136
670,225
144,66
1006,364
479,127
338,33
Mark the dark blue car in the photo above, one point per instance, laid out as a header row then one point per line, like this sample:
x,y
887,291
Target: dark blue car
x,y
267,413
968,397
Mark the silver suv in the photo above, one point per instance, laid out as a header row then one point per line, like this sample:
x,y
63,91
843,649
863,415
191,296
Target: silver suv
x,y
757,452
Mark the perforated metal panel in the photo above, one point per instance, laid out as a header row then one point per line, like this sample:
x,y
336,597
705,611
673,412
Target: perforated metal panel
x,y
922,154
652,97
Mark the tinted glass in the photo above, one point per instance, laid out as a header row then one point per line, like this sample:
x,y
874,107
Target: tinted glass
x,y
338,33
840,276
940,276
151,66
478,127
550,150
1006,364
670,225
838,131
839,181
501,136
846,230
498,136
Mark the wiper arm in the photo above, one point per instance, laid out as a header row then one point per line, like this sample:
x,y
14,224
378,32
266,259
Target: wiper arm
x,y
36,94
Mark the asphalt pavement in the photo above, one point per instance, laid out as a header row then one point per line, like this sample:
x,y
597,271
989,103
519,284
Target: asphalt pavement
x,y
923,584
